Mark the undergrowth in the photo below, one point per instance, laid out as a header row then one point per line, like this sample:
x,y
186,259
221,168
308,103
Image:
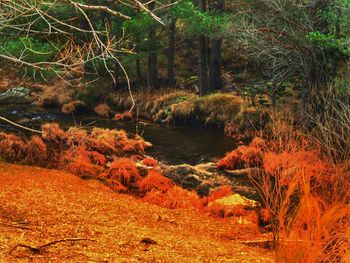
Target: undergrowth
x,y
305,194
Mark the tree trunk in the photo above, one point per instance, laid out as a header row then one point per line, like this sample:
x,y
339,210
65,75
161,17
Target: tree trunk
x,y
203,58
138,80
171,53
215,79
153,81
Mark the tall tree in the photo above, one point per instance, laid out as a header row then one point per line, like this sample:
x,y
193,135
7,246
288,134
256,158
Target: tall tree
x,y
153,78
203,57
171,52
215,78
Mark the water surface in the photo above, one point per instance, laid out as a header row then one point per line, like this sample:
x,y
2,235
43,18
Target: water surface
x,y
172,144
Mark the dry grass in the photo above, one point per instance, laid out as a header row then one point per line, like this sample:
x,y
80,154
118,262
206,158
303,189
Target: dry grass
x,y
54,95
332,124
72,107
103,110
305,193
242,157
306,197
183,107
125,116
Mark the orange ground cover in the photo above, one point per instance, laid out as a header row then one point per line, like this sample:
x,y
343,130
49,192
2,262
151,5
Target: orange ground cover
x,y
54,205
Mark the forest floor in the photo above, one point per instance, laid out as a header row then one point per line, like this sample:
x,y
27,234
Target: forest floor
x,y
38,206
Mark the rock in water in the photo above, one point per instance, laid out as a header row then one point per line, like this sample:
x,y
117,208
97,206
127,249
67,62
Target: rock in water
x,y
17,95
235,200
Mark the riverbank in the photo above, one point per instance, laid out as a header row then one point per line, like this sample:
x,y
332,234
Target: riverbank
x,y
39,206
227,112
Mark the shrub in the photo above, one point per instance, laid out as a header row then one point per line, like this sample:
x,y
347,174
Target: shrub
x,y
259,143
174,198
232,160
115,142
116,185
73,107
305,200
124,171
37,152
155,181
78,161
12,147
243,156
126,116
53,133
220,210
103,110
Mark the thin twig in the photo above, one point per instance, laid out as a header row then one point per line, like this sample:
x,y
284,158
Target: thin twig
x,y
15,226
20,126
38,250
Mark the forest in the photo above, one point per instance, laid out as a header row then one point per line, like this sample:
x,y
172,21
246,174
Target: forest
x,y
175,131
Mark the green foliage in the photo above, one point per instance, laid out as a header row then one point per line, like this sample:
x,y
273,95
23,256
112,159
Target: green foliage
x,y
33,50
254,94
257,94
200,23
330,42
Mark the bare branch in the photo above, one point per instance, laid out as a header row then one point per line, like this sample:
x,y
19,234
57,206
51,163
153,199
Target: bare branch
x,y
100,8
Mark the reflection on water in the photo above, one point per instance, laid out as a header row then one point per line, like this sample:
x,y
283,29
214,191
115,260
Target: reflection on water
x,y
171,144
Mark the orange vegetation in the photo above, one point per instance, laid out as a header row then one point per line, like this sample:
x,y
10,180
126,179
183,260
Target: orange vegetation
x,y
84,154
219,193
79,161
103,110
107,155
126,116
73,107
155,181
305,197
124,171
219,210
149,162
13,148
174,198
242,157
56,205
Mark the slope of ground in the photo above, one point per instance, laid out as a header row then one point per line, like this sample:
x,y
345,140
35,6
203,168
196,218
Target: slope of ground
x,y
38,206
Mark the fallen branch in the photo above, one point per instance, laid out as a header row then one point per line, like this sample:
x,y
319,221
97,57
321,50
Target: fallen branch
x,y
14,226
40,249
19,126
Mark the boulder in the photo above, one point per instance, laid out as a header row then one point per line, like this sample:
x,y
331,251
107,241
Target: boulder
x,y
253,172
17,95
204,177
237,200
188,176
233,205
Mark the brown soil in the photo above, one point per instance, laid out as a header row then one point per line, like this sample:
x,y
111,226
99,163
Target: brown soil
x,y
38,206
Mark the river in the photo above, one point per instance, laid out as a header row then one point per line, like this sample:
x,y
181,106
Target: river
x,y
172,144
